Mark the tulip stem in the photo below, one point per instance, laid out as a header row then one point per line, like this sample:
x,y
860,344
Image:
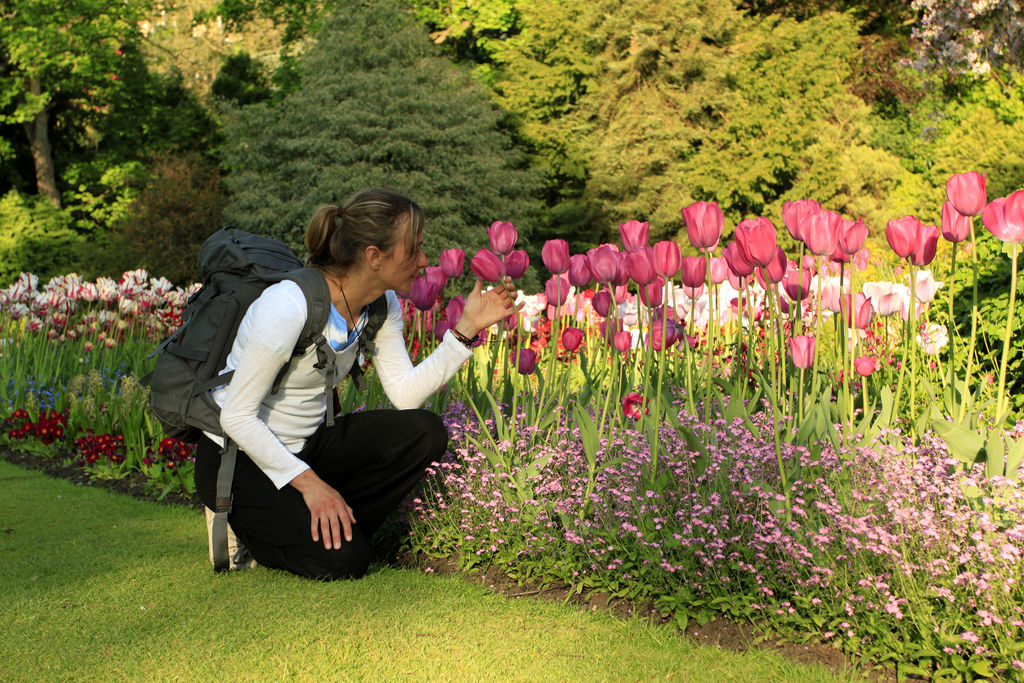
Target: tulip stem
x,y
1000,407
974,322
951,372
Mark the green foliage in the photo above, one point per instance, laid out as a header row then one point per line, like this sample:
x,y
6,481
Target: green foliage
x,y
241,81
179,208
35,237
378,107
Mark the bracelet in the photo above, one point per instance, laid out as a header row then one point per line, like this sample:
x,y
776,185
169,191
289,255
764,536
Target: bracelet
x,y
466,341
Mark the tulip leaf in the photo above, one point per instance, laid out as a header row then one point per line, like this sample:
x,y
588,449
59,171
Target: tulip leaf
x,y
1014,456
995,454
965,445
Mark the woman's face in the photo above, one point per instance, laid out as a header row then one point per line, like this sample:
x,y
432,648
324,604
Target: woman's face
x,y
398,266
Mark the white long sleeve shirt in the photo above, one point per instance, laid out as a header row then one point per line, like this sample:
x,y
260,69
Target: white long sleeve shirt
x,y
272,428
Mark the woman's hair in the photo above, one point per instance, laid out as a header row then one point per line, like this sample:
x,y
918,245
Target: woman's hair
x,y
337,236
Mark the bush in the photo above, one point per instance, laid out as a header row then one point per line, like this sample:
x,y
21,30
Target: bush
x,y
178,209
35,237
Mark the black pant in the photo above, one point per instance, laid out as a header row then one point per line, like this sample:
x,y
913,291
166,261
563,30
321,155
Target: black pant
x,y
372,458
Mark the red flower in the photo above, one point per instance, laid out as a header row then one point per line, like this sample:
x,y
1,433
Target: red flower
x,y
631,404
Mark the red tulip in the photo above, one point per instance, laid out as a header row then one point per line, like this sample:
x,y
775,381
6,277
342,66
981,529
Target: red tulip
x,y
901,233
801,347
486,265
851,236
527,362
694,271
423,293
640,265
579,272
1004,218
737,260
666,259
757,239
856,310
966,192
572,337
820,230
602,302
864,365
793,215
453,262
604,263
503,237
927,240
557,290
956,227
516,264
555,256
436,275
718,270
704,223
632,403
634,234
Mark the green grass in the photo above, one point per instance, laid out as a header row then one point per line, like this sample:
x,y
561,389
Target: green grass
x,y
98,586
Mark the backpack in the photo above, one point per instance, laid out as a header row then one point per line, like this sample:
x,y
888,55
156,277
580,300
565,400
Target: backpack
x,y
236,267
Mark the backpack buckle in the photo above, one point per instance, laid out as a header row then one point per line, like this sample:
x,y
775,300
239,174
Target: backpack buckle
x,y
223,504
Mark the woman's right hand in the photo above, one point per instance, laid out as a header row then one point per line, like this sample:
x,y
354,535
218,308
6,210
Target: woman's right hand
x,y
329,514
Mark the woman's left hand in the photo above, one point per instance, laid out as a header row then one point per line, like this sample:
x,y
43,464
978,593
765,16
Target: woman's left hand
x,y
483,309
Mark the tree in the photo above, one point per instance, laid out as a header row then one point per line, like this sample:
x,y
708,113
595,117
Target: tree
x,y
967,37
53,50
378,107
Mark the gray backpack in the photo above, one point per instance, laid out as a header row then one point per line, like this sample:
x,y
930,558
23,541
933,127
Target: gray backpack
x,y
236,267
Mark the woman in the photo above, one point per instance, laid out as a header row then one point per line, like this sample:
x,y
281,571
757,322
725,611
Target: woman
x,y
306,497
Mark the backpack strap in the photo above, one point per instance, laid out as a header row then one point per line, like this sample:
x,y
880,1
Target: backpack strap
x,y
377,313
219,529
318,309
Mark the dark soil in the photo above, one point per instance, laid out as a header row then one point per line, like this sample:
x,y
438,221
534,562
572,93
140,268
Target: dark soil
x,y
721,632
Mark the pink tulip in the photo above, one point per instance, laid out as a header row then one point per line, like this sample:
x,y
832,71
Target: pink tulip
x,y
667,259
704,223
661,328
453,309
776,270
955,226
436,275
889,304
830,296
640,265
1004,218
924,251
555,256
864,365
503,237
516,264
621,294
737,260
487,266
902,235
820,230
527,362
693,292
801,347
757,238
856,310
851,236
796,281
557,290
860,259
579,272
634,234
793,215
651,294
440,328
622,269
694,271
453,262
602,302
572,337
966,192
604,263
423,293
718,270
925,286
622,341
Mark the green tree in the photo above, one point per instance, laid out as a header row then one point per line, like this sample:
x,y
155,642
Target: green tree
x,y
378,107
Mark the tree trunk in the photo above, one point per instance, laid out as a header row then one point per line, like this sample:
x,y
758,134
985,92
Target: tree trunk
x,y
38,131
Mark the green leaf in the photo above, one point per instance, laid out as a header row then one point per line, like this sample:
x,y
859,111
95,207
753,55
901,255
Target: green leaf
x,y
995,453
964,444
1014,456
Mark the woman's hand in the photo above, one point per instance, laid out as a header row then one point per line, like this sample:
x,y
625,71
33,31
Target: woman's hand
x,y
329,514
483,309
